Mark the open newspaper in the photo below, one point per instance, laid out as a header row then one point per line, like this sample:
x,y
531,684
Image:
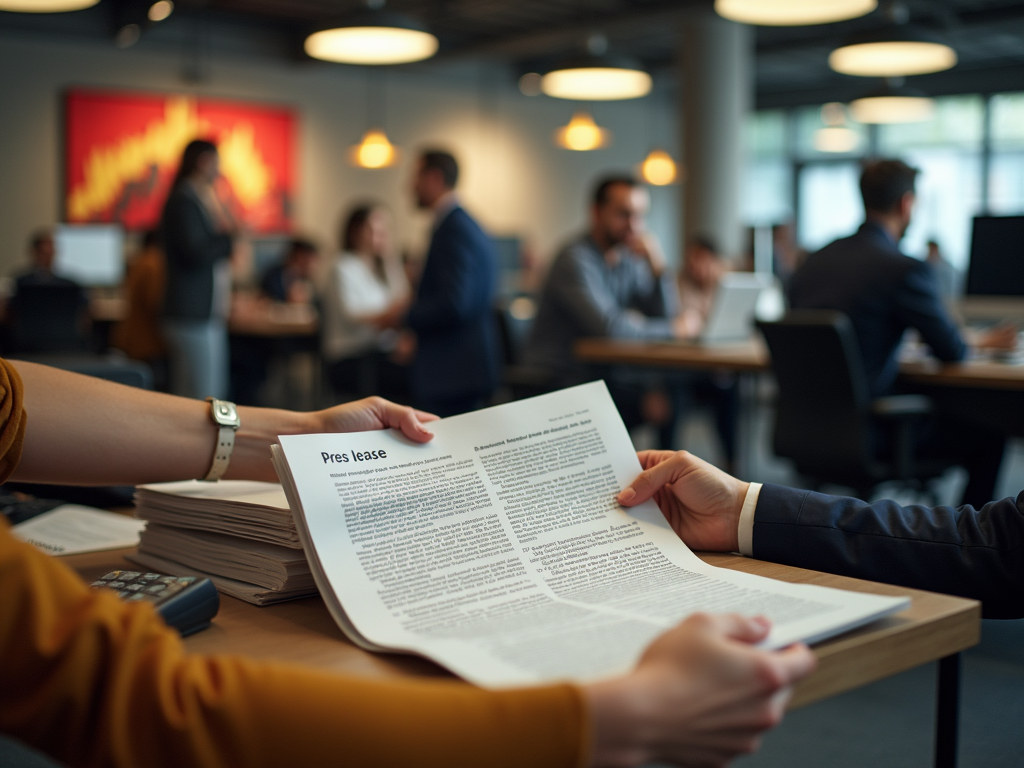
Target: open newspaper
x,y
499,551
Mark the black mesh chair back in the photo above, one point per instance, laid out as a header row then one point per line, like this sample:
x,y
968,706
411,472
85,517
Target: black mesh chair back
x,y
48,318
823,404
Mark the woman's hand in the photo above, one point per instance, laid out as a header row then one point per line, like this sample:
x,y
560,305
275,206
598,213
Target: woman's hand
x,y
701,695
375,413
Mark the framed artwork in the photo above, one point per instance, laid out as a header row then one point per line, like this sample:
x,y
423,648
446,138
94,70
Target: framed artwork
x,y
123,149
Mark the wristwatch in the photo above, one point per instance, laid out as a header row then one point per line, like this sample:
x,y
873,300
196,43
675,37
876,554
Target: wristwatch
x,y
225,416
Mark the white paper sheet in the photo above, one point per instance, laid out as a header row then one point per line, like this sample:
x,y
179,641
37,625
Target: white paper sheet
x,y
71,529
498,549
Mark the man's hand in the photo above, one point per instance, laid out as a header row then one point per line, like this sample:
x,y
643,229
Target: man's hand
x,y
701,502
375,413
647,246
1002,337
700,696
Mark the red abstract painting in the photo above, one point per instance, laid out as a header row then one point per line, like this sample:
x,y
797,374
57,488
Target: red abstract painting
x,y
124,148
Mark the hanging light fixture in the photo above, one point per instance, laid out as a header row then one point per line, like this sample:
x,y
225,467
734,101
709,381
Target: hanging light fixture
x,y
658,168
896,51
374,151
582,134
160,10
836,136
45,6
597,78
375,37
792,13
893,104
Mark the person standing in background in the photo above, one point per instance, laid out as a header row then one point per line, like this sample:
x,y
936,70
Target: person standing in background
x,y
139,334
457,358
360,289
198,236
948,276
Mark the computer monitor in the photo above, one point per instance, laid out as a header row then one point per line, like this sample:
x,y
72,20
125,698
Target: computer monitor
x,y
997,257
510,264
90,254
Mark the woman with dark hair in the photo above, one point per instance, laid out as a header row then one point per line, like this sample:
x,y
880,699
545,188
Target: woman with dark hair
x,y
363,287
198,235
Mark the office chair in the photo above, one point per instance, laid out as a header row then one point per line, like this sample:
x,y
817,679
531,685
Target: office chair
x,y
48,318
824,416
519,380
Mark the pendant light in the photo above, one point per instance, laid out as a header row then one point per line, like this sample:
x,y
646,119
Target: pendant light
x,y
893,104
896,51
658,168
375,37
792,13
582,134
597,78
45,6
835,136
374,151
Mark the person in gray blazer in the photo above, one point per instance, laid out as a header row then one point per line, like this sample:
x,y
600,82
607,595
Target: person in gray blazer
x,y
971,552
197,233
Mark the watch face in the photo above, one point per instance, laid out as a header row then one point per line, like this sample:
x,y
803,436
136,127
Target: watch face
x,y
224,413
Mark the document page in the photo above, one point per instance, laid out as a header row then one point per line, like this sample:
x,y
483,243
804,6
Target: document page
x,y
499,551
71,529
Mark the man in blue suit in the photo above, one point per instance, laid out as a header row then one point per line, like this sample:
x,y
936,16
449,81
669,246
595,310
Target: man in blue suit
x,y
457,359
884,293
971,552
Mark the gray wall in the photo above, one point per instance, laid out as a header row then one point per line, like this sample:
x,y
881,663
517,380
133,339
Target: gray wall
x,y
514,179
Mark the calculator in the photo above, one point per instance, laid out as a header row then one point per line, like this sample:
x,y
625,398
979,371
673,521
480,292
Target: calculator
x,y
187,603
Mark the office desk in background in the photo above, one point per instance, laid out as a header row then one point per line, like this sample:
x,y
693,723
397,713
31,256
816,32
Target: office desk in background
x,y
986,393
934,627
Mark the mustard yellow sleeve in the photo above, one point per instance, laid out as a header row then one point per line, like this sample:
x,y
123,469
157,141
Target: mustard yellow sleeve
x,y
92,681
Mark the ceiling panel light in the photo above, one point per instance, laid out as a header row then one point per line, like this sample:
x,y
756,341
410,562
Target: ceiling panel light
x,y
373,38
45,6
658,168
893,104
582,134
597,79
374,151
896,50
836,138
792,13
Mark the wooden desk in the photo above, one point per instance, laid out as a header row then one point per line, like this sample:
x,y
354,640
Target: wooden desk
x,y
749,356
935,626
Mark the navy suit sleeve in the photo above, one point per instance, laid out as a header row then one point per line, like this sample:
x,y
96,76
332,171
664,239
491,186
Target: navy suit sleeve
x,y
975,553
921,307
459,290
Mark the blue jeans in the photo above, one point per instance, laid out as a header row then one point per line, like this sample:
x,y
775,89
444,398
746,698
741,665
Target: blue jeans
x,y
197,351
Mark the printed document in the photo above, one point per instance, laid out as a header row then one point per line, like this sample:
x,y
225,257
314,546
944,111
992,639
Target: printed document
x,y
498,549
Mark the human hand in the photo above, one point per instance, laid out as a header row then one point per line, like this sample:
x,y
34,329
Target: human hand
x,y
1001,337
375,413
701,502
405,348
700,695
687,324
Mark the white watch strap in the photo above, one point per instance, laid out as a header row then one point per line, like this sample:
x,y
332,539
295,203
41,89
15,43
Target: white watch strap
x,y
222,453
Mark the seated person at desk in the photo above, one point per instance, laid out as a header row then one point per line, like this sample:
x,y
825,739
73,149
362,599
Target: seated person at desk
x,y
291,281
360,290
884,293
970,552
702,271
93,680
611,282
43,253
139,335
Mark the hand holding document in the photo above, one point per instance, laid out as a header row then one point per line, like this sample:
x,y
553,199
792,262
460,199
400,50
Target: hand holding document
x,y
498,548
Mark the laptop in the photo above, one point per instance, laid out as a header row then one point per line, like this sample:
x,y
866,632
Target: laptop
x,y
732,311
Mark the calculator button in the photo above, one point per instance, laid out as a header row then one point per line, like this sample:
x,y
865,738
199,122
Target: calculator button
x,y
151,576
167,579
98,584
186,580
123,593
115,584
175,588
129,575
111,575
155,589
136,587
137,596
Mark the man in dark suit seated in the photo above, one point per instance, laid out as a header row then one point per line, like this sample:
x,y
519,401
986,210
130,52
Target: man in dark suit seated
x,y
884,293
971,552
457,357
291,281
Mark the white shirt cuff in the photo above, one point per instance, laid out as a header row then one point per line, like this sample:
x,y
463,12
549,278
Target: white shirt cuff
x,y
745,531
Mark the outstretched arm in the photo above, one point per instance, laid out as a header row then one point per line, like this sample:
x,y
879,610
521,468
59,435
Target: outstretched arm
x,y
86,431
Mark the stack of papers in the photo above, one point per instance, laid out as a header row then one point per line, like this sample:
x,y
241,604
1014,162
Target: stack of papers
x,y
72,529
239,534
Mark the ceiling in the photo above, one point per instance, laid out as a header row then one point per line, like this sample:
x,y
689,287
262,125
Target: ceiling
x,y
791,63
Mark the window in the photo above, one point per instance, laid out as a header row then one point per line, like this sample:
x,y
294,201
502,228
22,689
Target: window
x,y
1006,161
